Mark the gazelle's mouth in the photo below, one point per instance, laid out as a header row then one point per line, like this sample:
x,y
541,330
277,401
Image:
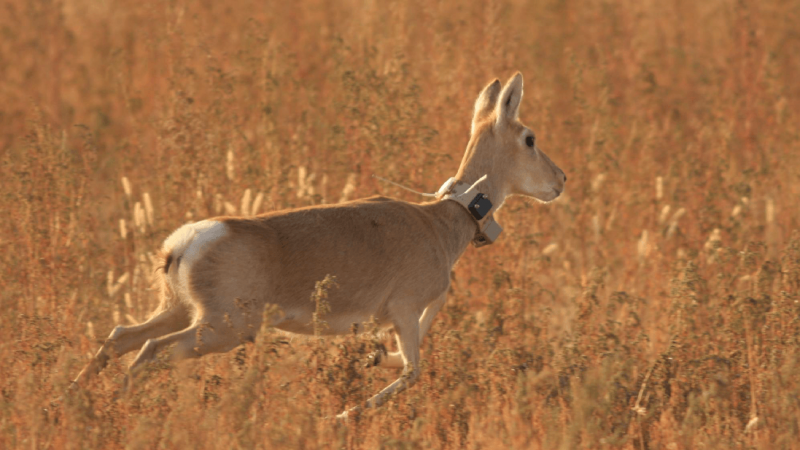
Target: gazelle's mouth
x,y
554,195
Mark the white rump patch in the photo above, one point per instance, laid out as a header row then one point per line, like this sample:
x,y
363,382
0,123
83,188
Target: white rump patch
x,y
187,245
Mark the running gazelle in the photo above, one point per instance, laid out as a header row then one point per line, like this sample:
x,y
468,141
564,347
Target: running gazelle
x,y
391,259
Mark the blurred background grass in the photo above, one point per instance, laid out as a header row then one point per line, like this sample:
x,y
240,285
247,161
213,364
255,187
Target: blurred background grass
x,y
654,305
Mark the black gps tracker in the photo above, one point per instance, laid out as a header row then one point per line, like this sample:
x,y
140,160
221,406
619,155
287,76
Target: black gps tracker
x,y
480,206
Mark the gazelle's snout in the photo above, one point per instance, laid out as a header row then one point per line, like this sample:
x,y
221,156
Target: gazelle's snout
x,y
561,179
552,179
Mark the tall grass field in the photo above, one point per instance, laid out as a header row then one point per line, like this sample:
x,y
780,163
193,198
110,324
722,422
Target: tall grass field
x,y
654,305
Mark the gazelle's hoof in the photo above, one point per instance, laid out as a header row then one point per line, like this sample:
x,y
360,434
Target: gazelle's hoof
x,y
351,413
73,389
374,359
124,389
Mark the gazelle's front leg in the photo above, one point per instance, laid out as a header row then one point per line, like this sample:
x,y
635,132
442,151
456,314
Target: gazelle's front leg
x,y
394,360
408,339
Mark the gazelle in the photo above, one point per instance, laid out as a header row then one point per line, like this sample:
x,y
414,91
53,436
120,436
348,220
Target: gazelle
x,y
391,259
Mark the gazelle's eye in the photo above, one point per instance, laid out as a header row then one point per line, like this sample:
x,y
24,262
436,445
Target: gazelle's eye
x,y
529,140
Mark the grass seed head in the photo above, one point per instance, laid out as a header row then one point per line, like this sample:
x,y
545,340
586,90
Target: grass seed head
x,y
659,188
257,204
349,188
126,187
245,208
229,165
148,209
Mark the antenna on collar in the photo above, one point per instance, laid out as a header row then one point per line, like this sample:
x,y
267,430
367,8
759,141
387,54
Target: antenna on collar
x,y
475,184
453,189
403,187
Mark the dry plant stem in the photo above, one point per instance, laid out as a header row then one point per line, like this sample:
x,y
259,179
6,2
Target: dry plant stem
x,y
751,363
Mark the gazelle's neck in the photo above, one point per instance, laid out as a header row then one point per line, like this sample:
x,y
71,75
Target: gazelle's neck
x,y
455,225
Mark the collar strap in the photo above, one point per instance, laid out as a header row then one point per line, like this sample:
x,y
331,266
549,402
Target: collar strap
x,y
478,206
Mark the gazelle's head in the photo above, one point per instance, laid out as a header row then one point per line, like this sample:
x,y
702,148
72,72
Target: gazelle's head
x,y
505,149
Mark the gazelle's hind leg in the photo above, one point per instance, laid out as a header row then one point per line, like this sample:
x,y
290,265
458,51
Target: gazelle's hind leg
x,y
125,339
193,342
394,360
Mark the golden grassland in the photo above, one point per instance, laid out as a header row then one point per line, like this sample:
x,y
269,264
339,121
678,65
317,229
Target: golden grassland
x,y
655,305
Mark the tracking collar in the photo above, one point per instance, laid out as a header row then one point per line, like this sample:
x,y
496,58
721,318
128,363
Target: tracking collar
x,y
478,206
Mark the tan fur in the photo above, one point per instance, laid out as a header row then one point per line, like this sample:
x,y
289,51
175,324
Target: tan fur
x,y
391,259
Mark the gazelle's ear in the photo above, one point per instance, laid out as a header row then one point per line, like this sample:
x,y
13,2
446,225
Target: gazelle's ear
x,y
510,98
486,102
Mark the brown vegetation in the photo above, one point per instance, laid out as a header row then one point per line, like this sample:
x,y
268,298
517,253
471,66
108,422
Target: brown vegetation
x,y
656,304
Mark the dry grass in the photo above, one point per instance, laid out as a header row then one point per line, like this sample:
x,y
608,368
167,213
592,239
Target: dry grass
x,y
655,306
